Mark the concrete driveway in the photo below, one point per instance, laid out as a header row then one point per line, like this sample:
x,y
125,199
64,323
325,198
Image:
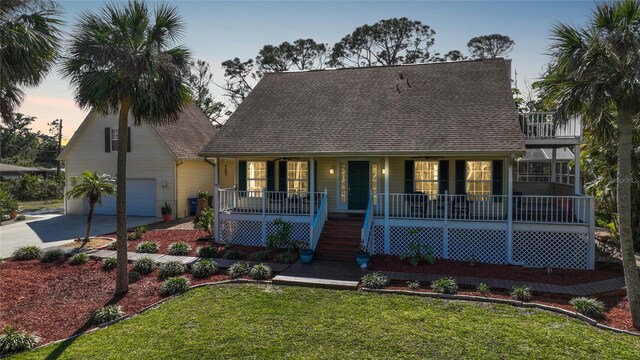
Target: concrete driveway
x,y
53,230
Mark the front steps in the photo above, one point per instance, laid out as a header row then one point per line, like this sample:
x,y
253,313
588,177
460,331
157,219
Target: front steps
x,y
340,238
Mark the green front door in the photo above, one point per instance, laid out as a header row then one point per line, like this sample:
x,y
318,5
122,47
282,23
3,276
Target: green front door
x,y
358,185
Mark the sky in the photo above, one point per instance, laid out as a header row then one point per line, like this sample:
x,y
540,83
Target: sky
x,y
221,30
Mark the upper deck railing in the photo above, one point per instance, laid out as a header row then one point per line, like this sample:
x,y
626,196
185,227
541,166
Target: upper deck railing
x,y
543,126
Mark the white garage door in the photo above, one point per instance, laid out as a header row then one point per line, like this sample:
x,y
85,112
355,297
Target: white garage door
x,y
141,199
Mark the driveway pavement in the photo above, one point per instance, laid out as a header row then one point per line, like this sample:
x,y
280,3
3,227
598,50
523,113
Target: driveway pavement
x,y
53,230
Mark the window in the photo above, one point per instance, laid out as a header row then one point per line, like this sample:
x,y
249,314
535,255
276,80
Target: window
x,y
479,177
297,176
426,177
256,176
114,139
374,182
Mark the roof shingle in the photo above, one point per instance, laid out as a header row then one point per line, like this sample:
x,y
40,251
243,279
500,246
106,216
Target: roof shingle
x,y
187,136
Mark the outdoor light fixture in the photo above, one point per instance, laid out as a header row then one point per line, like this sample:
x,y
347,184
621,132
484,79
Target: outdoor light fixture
x,y
331,171
384,171
164,185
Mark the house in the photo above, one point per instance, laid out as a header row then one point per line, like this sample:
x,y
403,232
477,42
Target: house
x,y
390,149
162,165
12,172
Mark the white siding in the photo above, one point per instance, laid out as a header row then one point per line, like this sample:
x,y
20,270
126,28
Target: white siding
x,y
193,176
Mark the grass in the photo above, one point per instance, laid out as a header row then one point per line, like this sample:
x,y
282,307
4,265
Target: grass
x,y
40,204
263,321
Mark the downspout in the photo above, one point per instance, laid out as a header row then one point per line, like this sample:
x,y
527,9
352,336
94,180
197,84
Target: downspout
x,y
175,190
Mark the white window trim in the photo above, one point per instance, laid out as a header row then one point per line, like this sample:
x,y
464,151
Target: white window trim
x,y
467,181
250,189
434,180
300,180
112,138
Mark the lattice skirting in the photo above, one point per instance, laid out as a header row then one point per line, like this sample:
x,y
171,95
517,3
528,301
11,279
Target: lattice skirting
x,y
241,232
484,245
299,231
556,249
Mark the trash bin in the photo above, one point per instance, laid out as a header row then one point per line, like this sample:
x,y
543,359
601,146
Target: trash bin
x,y
193,205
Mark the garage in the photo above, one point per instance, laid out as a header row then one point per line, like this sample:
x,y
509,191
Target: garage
x,y
141,199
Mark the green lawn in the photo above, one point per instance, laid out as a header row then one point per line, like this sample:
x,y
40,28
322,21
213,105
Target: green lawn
x,y
40,204
258,321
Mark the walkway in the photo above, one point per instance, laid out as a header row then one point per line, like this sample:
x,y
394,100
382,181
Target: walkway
x,y
322,273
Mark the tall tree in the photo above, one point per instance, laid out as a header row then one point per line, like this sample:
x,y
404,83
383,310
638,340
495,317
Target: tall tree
x,y
92,187
200,79
595,72
239,78
387,42
303,54
490,46
22,146
29,42
121,60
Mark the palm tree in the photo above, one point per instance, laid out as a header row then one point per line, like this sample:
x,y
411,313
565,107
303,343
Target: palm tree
x,y
92,187
28,47
121,60
595,72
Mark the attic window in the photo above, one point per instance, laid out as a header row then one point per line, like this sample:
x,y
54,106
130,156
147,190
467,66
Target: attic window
x,y
114,139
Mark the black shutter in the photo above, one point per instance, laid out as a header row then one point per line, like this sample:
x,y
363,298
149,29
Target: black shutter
x,y
408,176
497,171
128,139
107,139
282,176
271,176
461,172
443,176
242,176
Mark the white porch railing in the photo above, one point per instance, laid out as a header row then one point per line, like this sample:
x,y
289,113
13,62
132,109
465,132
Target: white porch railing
x,y
552,209
267,202
542,125
366,227
319,221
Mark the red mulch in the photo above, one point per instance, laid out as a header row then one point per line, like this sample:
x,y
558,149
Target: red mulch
x,y
503,272
617,313
55,300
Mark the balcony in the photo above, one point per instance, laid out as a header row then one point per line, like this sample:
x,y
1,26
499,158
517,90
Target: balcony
x,y
540,129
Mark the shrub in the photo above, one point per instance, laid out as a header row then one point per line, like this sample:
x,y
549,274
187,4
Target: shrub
x,y
52,255
413,285
147,247
445,286
13,341
170,269
418,252
204,268
260,272
206,221
174,285
179,248
233,254
28,252
375,280
238,270
144,265
590,307
282,237
78,259
113,246
483,288
207,252
106,314
521,293
286,258
109,263
260,256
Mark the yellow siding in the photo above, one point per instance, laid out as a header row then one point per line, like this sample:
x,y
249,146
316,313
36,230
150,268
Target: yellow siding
x,y
328,181
193,176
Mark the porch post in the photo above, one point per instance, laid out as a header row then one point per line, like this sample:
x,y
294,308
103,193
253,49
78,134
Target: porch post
x,y
577,175
312,197
510,212
387,230
216,198
592,232
553,164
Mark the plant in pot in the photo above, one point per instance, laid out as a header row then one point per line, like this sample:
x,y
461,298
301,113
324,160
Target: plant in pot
x,y
362,257
203,203
166,212
306,253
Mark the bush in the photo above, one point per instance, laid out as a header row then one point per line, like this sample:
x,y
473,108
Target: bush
x,y
147,247
170,269
144,265
174,285
592,308
445,286
207,252
52,255
113,246
28,252
106,314
413,285
521,293
109,263
33,187
260,256
206,221
233,254
483,288
238,270
78,259
13,341
133,236
204,268
179,249
418,252
375,280
286,258
260,272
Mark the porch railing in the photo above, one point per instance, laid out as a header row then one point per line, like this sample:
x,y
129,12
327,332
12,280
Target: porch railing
x,y
319,221
366,227
542,125
268,202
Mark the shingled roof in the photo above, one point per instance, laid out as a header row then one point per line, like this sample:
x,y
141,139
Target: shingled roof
x,y
187,136
455,107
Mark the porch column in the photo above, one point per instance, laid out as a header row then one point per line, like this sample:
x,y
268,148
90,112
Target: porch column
x,y
510,211
577,175
312,190
387,230
216,197
553,164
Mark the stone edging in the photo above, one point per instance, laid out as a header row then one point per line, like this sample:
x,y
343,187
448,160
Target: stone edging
x,y
516,303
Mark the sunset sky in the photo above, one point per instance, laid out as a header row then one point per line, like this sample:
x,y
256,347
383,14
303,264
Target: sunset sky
x,y
218,30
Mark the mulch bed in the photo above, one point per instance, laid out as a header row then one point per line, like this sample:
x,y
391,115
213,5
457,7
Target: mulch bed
x,y
617,313
55,300
502,272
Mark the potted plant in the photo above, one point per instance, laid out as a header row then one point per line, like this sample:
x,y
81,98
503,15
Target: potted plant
x,y
166,212
203,202
362,257
306,254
